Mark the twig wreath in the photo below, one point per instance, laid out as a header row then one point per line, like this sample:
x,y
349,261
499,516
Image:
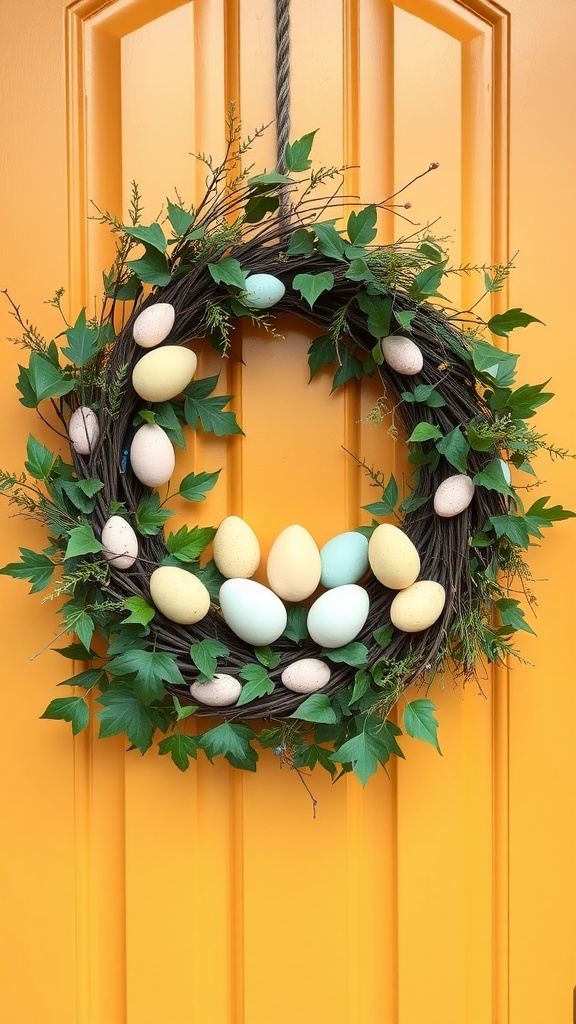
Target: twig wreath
x,y
316,661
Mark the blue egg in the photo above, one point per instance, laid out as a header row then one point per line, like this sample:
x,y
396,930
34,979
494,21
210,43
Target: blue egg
x,y
344,559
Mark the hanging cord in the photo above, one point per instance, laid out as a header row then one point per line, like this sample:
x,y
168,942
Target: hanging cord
x,y
282,91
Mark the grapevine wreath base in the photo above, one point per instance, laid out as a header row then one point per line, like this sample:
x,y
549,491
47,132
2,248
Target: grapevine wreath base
x,y
459,412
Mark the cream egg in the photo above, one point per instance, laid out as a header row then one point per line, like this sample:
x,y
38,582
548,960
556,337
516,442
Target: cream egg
x,y
179,595
236,548
120,542
453,495
219,692
306,675
418,607
152,455
402,354
294,566
263,291
252,611
153,324
161,375
83,430
344,559
393,558
337,617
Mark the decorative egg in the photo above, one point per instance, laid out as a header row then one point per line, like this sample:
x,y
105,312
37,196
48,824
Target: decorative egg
x,y
179,594
293,566
161,375
152,455
236,548
153,324
263,291
219,692
418,607
402,355
306,675
120,542
344,559
83,430
393,558
337,616
506,472
252,611
453,495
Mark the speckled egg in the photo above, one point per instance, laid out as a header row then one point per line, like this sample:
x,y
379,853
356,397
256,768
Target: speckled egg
x,y
344,559
153,324
161,375
83,430
506,472
179,595
337,616
120,542
236,548
393,558
306,675
219,692
418,607
252,611
152,455
453,495
263,291
402,354
293,566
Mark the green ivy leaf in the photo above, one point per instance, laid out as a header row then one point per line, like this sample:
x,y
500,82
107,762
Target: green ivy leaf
x,y
362,684
71,709
205,654
268,181
296,629
378,310
330,242
425,284
360,271
258,206
76,652
426,394
420,723
152,268
87,680
151,236
412,503
179,218
383,635
540,515
141,612
124,712
195,485
257,683
364,752
499,365
503,323
493,479
454,447
478,441
425,432
187,545
266,656
229,272
322,352
33,566
211,577
301,243
431,251
361,227
316,708
404,318
181,748
309,755
199,409
82,541
349,368
151,669
40,459
354,653
150,516
165,416
45,380
83,341
232,742
297,154
183,712
512,527
311,286
388,502
512,615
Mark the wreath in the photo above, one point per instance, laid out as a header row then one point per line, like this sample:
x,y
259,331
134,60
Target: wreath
x,y
170,625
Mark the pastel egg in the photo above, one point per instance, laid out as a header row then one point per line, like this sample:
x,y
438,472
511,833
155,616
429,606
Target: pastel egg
x,y
418,607
161,375
293,566
453,495
263,291
179,595
344,559
120,542
393,558
306,675
153,324
506,472
236,548
252,611
402,354
83,430
219,692
337,616
152,455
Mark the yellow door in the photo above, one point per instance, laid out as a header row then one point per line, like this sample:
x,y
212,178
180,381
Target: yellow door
x,y
443,894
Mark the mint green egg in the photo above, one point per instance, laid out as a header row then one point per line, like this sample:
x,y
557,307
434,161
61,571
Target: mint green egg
x,y
344,559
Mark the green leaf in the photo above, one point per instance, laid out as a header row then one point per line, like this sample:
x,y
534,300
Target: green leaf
x,y
183,712
199,409
512,527
316,708
354,653
524,402
350,368
79,494
140,611
179,218
512,615
431,251
412,503
124,712
152,268
301,243
425,432
187,545
360,271
454,447
404,318
266,656
181,748
151,236
426,394
499,365
478,441
425,284
330,242
383,635
503,323
362,684
268,181
258,206
311,286
229,272
205,654
364,752
546,516
40,459
151,669
195,485
257,683
493,479
361,227
309,755
83,341
211,577
150,516
322,352
297,154
76,652
33,566
296,628
86,680
388,502
71,709
420,723
82,541
45,380
378,310
165,416
232,742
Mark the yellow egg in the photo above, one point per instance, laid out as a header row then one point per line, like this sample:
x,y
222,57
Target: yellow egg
x,y
152,456
236,549
418,607
120,543
219,692
402,354
153,324
179,595
294,565
393,558
164,373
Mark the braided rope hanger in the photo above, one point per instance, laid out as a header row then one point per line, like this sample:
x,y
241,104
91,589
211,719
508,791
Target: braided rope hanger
x,y
282,91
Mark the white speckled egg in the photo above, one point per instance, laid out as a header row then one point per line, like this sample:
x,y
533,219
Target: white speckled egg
x,y
161,375
263,291
152,455
153,324
306,675
337,616
219,692
393,558
344,559
179,594
506,472
252,611
293,566
236,548
453,495
402,355
120,542
418,607
83,430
